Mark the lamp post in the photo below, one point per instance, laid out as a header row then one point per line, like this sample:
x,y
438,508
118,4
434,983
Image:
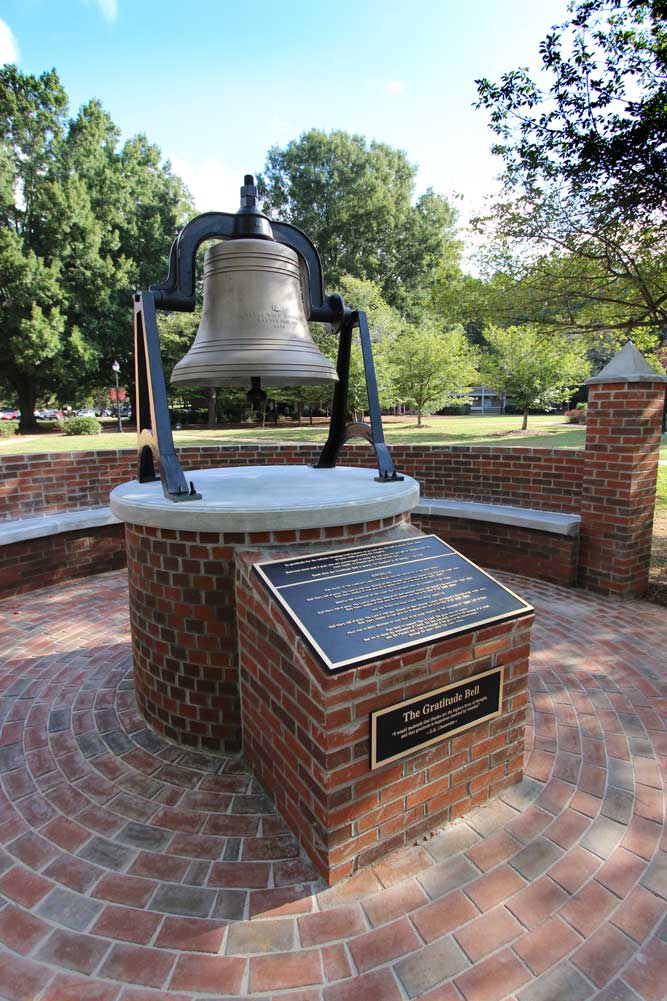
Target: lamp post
x,y
116,370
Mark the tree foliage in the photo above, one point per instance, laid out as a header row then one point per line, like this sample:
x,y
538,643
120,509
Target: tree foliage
x,y
598,125
432,367
354,200
534,370
580,234
83,220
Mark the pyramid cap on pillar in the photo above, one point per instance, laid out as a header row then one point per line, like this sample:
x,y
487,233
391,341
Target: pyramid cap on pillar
x,y
629,365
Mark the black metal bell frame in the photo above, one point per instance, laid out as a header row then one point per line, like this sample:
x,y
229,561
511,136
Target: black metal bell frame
x,y
157,457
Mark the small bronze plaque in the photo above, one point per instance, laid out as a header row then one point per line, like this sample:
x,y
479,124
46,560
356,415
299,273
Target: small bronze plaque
x,y
417,723
356,605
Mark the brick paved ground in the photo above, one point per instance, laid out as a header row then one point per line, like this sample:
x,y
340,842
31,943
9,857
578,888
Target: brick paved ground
x,y
131,870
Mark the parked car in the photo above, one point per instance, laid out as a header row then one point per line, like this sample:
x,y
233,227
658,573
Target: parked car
x,y
87,412
52,415
10,415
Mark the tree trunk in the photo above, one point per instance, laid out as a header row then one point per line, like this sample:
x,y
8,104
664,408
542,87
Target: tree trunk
x,y
298,412
525,419
212,420
419,417
27,393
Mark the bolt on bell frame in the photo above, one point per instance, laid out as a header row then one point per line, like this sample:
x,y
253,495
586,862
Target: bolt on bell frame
x,y
157,459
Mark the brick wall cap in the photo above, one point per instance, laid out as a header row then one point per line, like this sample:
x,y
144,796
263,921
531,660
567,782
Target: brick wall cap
x,y
629,365
268,498
502,514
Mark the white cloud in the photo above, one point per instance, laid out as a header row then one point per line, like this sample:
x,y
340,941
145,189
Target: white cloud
x,y
109,9
214,186
393,86
9,50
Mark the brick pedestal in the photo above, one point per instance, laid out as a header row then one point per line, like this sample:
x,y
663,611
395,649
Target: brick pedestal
x,y
182,602
306,733
183,619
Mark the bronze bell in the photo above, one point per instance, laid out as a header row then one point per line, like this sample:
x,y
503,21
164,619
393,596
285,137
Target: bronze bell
x,y
253,323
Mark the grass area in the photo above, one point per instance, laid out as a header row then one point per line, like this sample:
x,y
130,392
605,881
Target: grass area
x,y
661,491
546,432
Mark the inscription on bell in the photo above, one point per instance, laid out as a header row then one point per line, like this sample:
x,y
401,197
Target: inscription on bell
x,y
277,318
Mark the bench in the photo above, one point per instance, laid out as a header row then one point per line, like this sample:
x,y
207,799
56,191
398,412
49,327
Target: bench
x,y
502,514
22,529
61,545
543,544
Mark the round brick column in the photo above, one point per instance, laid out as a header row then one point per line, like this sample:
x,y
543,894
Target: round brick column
x,y
182,567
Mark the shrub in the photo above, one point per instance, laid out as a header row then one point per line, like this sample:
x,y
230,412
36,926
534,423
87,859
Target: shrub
x,y
577,416
81,425
8,428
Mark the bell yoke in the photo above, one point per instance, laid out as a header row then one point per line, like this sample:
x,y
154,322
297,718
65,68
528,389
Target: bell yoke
x,y
261,287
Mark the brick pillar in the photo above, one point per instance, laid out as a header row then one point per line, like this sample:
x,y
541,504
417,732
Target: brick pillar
x,y
625,405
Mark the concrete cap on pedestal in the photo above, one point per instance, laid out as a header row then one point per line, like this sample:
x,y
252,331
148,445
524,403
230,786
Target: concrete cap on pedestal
x,y
267,498
629,365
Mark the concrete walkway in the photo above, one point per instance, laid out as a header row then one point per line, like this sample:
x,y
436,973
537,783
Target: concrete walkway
x,y
133,870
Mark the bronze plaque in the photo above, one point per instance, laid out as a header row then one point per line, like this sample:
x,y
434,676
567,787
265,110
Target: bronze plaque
x,y
361,604
437,715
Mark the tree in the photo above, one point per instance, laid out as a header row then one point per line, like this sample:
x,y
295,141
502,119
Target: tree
x,y
598,126
533,369
385,322
585,175
545,264
354,200
432,367
82,221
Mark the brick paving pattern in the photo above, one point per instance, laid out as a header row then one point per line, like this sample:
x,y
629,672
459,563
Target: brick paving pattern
x,y
131,869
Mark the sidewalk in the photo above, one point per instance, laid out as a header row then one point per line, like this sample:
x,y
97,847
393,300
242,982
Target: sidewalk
x,y
131,870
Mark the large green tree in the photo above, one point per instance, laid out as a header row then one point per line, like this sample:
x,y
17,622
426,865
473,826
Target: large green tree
x,y
533,369
84,220
354,200
595,121
432,367
543,263
581,224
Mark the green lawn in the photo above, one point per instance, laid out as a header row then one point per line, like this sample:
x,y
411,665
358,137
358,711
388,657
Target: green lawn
x,y
661,493
547,432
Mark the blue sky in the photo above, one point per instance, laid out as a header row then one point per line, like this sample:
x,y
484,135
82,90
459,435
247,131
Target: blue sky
x,y
214,83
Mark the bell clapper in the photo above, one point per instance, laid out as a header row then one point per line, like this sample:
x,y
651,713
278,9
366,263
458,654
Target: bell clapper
x,y
256,395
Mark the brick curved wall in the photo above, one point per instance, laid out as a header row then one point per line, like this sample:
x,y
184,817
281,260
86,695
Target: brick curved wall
x,y
544,478
32,485
506,547
611,483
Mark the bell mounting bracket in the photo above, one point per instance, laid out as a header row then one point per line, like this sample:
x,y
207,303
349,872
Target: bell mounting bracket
x,y
157,457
